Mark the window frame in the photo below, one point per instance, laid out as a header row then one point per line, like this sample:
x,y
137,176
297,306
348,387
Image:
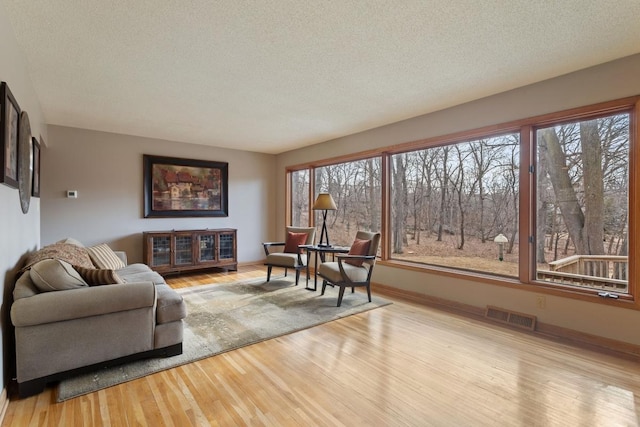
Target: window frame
x,y
527,188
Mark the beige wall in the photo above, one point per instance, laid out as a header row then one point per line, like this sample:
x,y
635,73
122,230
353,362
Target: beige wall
x,y
107,171
19,233
609,81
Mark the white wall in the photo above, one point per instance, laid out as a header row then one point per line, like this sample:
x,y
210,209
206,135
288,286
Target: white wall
x,y
19,233
107,171
617,79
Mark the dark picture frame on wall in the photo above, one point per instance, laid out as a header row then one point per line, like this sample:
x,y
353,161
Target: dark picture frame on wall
x,y
9,124
35,188
176,187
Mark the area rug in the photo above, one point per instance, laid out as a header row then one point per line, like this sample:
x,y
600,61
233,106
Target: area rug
x,y
223,317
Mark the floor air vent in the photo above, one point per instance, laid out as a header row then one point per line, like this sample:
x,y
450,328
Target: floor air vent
x,y
519,320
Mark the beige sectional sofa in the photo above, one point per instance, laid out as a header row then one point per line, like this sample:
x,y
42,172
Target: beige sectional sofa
x,y
71,317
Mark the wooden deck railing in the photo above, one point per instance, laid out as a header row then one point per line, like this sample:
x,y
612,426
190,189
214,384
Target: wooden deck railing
x,y
594,271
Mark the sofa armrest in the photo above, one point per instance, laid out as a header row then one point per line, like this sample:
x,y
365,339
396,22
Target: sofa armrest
x,y
122,255
49,307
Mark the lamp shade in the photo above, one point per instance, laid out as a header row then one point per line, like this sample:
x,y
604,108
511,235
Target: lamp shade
x,y
324,202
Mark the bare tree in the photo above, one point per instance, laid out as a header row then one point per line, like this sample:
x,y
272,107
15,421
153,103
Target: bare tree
x,y
299,196
584,225
443,180
566,196
484,158
374,218
426,159
593,236
399,202
457,179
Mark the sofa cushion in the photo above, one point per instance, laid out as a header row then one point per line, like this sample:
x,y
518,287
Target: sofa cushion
x,y
99,276
170,306
104,257
140,273
55,275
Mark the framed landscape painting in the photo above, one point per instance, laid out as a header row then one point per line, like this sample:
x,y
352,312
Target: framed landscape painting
x,y
9,121
175,187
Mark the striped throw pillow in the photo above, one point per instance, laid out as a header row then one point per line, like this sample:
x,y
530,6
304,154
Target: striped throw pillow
x,y
104,257
97,276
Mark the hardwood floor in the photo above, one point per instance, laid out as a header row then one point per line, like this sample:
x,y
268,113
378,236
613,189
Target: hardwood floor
x,y
400,365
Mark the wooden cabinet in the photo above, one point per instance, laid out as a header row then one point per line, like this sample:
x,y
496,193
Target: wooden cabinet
x,y
175,251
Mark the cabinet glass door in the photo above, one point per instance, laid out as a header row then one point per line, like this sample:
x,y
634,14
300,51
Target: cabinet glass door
x,y
160,251
207,247
184,250
226,246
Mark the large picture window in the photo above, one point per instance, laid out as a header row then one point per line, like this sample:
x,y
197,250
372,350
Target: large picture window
x,y
449,203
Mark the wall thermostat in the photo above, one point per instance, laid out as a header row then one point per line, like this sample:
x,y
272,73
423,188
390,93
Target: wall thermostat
x,y
72,194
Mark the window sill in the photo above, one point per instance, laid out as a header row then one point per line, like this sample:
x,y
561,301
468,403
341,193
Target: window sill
x,y
623,300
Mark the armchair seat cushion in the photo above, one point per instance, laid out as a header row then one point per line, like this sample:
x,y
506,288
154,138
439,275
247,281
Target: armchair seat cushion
x,y
331,271
283,259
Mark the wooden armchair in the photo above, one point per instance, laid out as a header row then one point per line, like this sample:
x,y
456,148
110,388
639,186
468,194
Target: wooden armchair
x,y
288,254
353,269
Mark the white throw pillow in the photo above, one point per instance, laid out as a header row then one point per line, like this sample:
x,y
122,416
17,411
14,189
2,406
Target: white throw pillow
x,y
55,275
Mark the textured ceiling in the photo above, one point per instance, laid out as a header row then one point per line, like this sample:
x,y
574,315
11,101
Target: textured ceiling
x,y
270,76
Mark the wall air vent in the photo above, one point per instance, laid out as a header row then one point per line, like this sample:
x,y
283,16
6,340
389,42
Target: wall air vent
x,y
508,317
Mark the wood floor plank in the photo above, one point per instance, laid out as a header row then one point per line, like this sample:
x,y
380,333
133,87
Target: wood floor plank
x,y
403,364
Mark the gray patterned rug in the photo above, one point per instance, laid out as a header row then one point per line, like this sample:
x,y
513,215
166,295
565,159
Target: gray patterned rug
x,y
223,317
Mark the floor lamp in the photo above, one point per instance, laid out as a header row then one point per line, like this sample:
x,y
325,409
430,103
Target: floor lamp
x,y
324,203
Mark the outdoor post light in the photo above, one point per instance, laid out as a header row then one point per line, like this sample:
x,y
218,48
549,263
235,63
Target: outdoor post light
x,y
501,240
